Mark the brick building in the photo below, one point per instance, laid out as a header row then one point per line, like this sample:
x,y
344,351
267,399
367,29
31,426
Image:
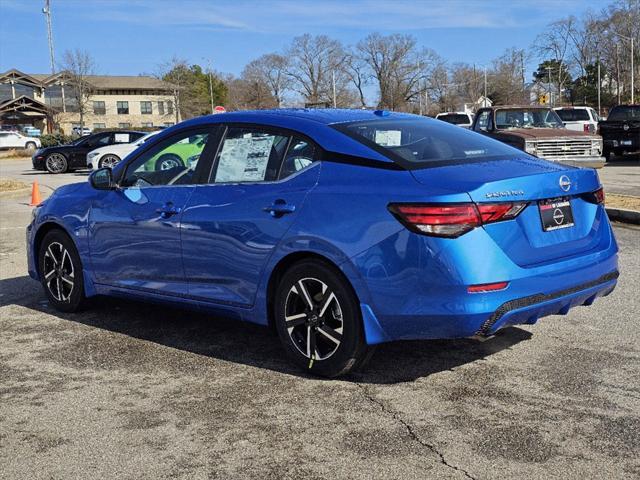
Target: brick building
x,y
47,102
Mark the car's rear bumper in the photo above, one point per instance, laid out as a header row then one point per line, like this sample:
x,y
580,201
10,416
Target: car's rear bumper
x,y
418,287
585,162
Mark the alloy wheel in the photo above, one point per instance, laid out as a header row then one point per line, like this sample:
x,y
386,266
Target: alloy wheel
x,y
169,163
56,163
313,319
109,161
58,272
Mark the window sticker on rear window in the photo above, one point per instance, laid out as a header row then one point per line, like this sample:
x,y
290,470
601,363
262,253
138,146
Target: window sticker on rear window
x,y
388,138
244,159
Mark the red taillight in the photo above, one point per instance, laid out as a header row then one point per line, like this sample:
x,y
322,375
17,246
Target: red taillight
x,y
452,219
585,128
487,287
599,194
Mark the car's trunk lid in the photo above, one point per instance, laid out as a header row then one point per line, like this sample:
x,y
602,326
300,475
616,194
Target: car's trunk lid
x,y
528,180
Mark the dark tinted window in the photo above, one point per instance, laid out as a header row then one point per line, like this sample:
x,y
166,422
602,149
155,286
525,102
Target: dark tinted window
x,y
300,154
624,113
455,118
573,114
420,142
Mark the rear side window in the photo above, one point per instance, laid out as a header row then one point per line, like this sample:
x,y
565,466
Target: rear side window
x,y
420,142
573,115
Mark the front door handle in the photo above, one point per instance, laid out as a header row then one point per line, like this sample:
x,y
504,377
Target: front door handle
x,y
279,208
168,210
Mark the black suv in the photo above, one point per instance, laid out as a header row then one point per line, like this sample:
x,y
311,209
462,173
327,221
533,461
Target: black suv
x,y
65,158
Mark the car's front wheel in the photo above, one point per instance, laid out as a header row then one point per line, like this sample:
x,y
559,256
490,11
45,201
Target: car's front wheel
x,y
61,272
56,163
30,145
318,319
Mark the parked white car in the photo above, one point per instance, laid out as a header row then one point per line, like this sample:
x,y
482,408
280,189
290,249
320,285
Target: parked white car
x,y
111,155
83,132
17,140
461,119
579,119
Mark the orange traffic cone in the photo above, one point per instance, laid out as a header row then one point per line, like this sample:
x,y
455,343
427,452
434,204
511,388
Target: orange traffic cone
x,y
35,195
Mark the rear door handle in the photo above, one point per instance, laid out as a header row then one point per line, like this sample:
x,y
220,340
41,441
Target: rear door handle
x,y
168,210
279,208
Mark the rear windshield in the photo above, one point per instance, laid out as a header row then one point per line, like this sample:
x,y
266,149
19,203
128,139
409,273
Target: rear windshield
x,y
455,118
527,118
573,115
420,142
625,113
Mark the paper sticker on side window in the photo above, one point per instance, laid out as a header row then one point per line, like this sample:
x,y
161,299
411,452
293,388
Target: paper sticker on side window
x,y
244,159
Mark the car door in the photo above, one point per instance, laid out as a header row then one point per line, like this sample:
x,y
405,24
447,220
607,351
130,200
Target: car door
x,y
232,224
135,229
4,140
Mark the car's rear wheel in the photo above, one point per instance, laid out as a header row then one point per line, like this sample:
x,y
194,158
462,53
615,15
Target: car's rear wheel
x,y
318,319
108,161
30,146
61,272
167,162
56,163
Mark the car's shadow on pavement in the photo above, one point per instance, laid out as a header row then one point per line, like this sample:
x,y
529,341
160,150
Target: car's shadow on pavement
x,y
246,343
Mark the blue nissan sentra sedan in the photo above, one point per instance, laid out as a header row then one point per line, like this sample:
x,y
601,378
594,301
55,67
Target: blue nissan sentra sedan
x,y
342,229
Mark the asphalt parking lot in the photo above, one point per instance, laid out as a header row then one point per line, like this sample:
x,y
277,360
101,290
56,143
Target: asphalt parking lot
x,y
127,390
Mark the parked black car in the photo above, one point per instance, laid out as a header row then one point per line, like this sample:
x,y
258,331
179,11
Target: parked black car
x,y
621,130
64,158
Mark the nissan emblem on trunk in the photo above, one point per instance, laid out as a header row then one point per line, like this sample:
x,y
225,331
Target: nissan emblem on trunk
x,y
565,183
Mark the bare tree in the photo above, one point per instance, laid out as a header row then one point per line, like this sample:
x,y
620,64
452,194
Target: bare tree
x,y
399,68
269,71
318,71
357,72
77,66
556,43
175,73
506,78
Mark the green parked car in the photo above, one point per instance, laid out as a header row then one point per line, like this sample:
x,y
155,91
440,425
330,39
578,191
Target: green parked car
x,y
183,153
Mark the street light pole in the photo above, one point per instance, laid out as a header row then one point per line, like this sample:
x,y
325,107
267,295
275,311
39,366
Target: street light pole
x,y
484,100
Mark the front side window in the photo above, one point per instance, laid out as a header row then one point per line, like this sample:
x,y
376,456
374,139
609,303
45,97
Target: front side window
x,y
422,142
527,118
123,108
145,108
249,155
99,108
171,162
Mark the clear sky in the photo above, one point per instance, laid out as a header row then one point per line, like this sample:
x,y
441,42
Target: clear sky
x,y
134,36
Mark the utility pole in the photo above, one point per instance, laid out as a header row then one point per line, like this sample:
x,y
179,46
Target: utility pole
x,y
549,87
333,80
47,13
210,83
599,83
484,100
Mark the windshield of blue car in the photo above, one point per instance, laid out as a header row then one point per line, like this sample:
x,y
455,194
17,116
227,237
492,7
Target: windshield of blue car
x,y
527,118
419,142
625,113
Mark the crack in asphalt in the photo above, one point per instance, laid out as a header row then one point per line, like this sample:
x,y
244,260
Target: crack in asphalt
x,y
395,416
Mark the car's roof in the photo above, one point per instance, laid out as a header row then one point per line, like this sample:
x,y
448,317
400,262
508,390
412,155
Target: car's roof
x,y
326,116
573,107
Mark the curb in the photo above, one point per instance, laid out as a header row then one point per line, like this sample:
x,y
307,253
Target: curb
x,y
623,215
16,193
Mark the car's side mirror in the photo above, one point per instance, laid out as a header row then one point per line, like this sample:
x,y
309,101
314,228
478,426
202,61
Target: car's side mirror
x,y
102,179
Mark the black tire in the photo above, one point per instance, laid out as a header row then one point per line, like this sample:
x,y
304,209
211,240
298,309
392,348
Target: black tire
x,y
165,162
30,145
67,267
56,163
341,320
